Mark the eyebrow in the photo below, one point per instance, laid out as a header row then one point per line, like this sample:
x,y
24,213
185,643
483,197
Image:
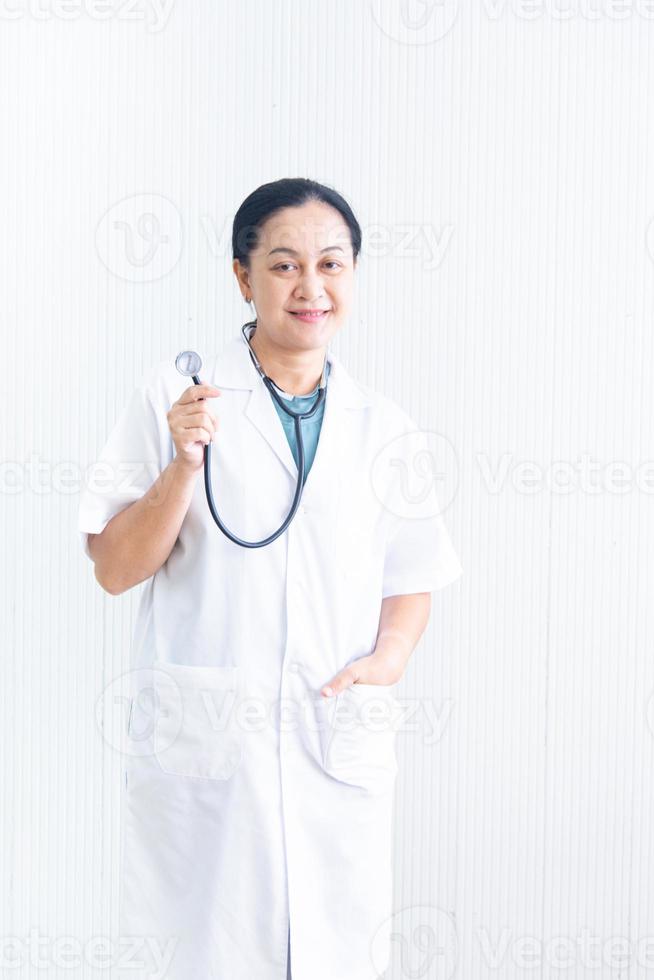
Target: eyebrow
x,y
292,251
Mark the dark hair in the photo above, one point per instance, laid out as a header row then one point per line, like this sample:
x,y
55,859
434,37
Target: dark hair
x,y
270,198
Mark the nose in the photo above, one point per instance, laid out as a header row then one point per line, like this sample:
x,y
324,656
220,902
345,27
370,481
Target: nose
x,y
310,287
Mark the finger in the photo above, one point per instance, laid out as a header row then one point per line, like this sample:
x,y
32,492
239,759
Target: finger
x,y
181,416
344,678
190,419
197,393
198,434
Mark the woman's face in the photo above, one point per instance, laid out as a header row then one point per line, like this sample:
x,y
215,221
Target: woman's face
x,y
303,261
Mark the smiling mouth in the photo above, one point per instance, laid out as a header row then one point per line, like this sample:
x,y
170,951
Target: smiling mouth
x,y
306,315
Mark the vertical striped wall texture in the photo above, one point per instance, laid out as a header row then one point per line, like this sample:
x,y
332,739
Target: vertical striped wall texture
x,y
499,158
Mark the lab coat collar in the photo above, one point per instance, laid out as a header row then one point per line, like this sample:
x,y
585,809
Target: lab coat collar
x,y
233,368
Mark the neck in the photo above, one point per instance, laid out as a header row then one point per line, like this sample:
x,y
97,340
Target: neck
x,y
295,372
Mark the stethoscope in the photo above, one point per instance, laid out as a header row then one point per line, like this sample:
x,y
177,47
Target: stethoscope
x,y
188,363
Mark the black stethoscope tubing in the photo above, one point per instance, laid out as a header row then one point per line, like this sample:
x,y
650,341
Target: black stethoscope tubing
x,y
297,420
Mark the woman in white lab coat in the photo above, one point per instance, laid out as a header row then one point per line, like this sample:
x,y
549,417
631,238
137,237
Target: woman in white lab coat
x,y
260,770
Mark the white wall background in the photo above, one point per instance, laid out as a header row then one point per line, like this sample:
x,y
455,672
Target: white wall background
x,y
503,156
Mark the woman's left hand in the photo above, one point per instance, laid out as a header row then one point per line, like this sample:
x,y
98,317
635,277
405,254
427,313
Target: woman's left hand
x,y
373,669
402,620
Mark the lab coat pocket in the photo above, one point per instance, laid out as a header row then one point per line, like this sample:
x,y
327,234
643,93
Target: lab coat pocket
x,y
196,732
359,742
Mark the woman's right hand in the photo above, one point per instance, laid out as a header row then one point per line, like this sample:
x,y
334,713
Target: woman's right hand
x,y
192,425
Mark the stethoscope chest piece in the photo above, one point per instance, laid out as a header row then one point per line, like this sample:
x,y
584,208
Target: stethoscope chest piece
x,y
188,363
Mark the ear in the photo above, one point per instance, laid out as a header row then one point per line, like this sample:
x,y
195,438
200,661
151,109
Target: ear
x,y
242,276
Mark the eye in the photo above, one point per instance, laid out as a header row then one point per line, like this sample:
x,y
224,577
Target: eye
x,y
287,265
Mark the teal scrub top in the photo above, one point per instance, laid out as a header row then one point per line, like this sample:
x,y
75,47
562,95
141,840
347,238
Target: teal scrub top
x,y
310,427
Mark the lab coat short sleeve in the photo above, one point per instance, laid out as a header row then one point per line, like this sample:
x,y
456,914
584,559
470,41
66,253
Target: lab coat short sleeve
x,y
127,466
419,555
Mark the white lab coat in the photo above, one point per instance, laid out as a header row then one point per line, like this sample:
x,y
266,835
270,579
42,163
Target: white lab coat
x,y
236,825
